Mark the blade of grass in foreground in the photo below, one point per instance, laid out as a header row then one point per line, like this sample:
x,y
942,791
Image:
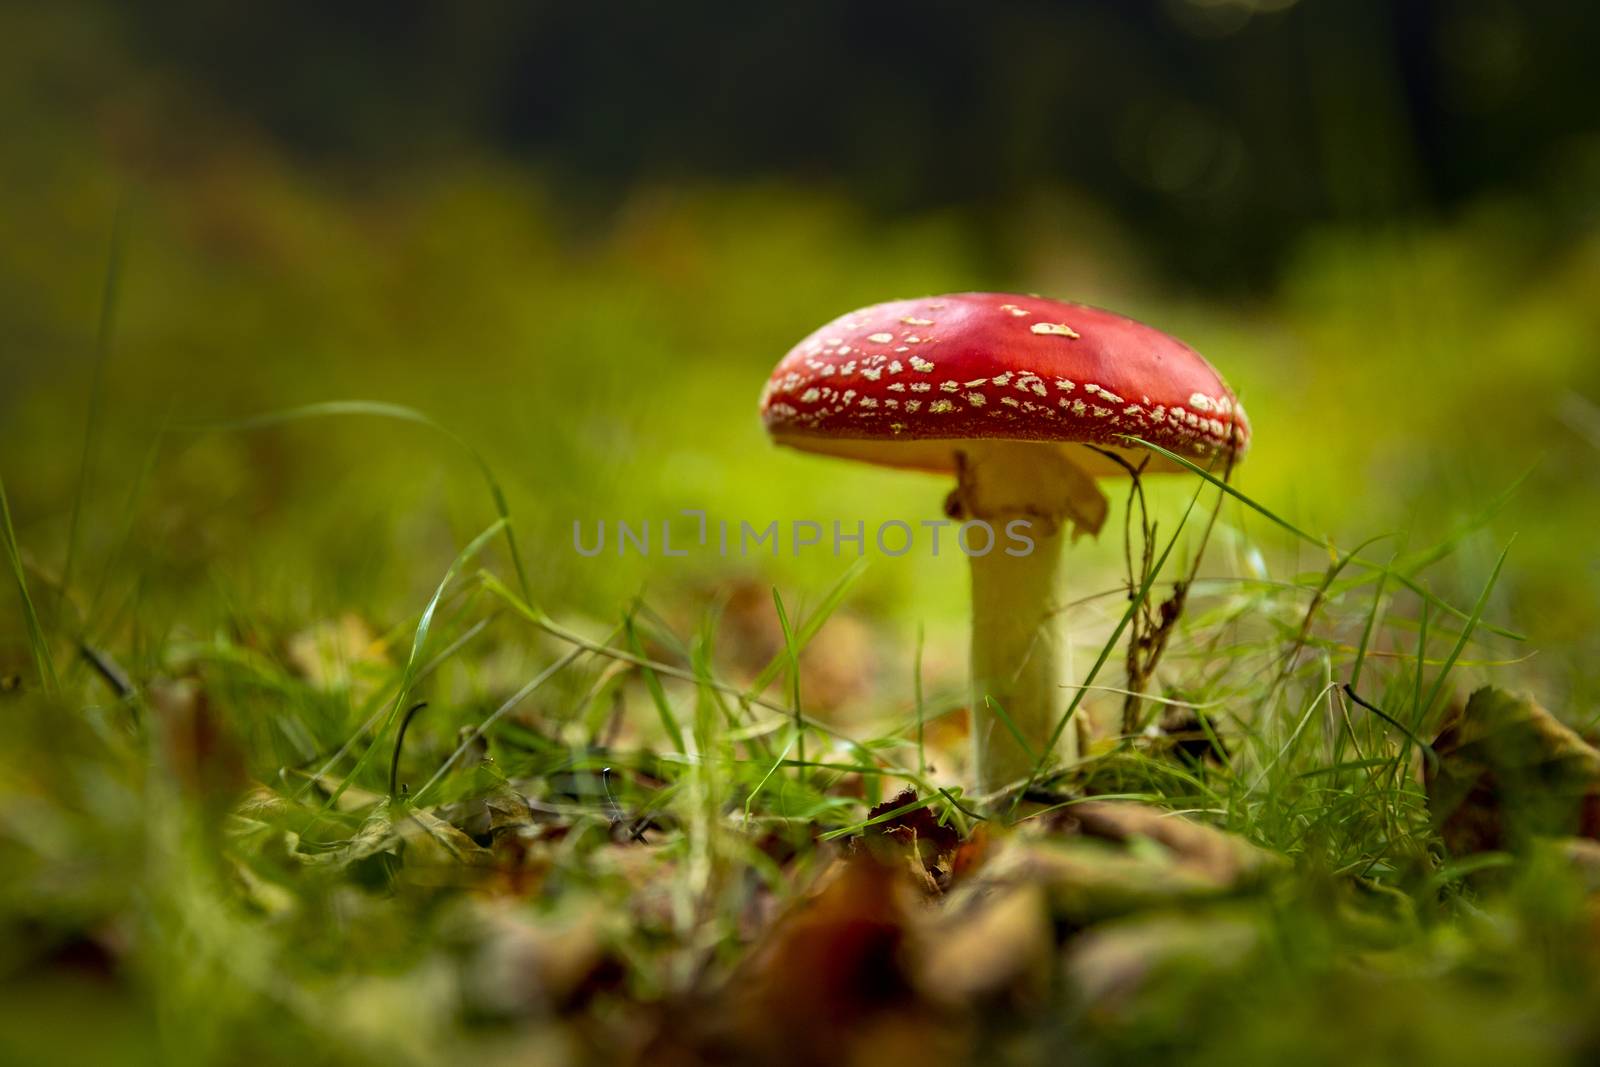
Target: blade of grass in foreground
x,y
793,651
1134,605
401,413
408,677
109,290
1367,631
808,629
652,683
509,703
1266,512
1461,642
1005,720
36,642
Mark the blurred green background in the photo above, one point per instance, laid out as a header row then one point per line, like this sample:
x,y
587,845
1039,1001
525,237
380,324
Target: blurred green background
x,y
580,235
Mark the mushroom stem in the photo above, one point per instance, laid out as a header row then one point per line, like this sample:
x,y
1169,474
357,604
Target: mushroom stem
x,y
1027,492
1018,660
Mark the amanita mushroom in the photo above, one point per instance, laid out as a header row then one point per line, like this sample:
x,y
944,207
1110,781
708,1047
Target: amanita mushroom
x,y
1007,393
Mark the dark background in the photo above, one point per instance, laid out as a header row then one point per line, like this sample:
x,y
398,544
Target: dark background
x,y
1226,128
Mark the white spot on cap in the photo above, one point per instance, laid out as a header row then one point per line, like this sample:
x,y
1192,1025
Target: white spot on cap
x,y
895,367
939,407
880,338
977,399
1019,312
811,396
918,363
1057,329
911,320
913,405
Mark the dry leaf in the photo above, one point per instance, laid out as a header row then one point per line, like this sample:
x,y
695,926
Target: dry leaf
x,y
1224,858
918,835
995,947
1114,858
830,982
1113,966
1508,770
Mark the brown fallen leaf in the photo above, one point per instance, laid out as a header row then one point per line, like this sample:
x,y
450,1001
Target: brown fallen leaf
x,y
491,813
430,842
916,834
1224,858
1112,968
830,982
994,947
1509,771
1112,858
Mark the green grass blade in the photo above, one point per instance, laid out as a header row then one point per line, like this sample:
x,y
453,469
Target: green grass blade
x,y
779,762
1400,576
1016,734
793,651
813,623
1134,605
36,641
109,291
652,683
1366,632
499,713
413,661
916,687
1461,642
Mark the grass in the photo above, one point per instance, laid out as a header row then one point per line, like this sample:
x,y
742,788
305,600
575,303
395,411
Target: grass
x,y
313,918
624,772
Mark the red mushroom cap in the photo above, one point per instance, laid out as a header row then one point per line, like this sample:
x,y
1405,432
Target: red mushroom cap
x,y
904,383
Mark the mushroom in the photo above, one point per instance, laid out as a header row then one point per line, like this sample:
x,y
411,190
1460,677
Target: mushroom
x,y
1025,400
